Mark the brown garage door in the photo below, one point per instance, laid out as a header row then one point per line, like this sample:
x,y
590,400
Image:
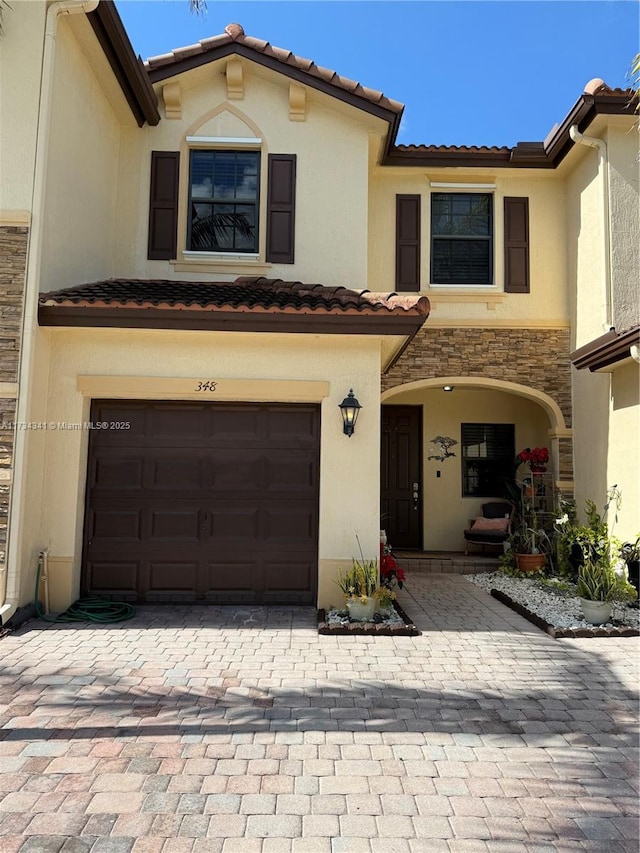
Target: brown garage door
x,y
212,502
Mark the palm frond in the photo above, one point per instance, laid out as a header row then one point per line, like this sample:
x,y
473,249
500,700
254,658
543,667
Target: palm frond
x,y
211,229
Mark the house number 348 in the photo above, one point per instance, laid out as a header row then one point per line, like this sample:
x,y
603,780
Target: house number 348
x,y
209,385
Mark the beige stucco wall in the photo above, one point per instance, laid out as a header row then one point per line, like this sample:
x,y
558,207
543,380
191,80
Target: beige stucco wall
x,y
445,512
585,246
331,186
349,484
547,301
606,409
82,172
624,447
21,48
624,173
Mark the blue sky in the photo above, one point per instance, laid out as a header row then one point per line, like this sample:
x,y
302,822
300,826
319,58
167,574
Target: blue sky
x,y
474,73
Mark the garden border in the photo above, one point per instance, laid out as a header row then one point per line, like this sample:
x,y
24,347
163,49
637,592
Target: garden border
x,y
370,629
562,633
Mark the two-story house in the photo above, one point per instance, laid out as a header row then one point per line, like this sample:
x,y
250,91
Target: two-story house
x,y
204,254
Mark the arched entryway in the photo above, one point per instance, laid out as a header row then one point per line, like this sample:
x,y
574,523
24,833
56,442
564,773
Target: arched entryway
x,y
427,502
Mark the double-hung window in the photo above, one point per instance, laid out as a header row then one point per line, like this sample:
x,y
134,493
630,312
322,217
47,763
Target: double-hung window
x,y
223,201
488,454
461,238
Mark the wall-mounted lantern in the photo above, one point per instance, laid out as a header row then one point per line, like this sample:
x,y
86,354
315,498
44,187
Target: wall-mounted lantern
x,y
350,408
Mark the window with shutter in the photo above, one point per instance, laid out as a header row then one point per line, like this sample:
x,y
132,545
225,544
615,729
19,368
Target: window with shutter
x,y
488,454
163,205
281,205
516,245
408,242
462,238
223,208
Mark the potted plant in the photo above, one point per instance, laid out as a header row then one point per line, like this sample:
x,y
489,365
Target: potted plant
x,y
529,543
362,593
602,582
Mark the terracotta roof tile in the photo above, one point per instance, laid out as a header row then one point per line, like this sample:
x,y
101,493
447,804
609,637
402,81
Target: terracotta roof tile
x,y
472,149
235,33
247,294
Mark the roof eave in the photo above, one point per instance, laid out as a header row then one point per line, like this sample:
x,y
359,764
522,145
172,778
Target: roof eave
x,y
608,350
524,155
344,323
163,72
128,69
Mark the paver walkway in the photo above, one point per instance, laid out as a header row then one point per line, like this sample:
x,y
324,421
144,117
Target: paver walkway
x,y
235,730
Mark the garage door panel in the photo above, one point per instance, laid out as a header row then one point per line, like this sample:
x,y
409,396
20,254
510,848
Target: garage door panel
x,y
166,422
115,524
179,575
131,418
294,472
231,575
113,576
293,425
230,425
117,472
237,471
177,472
201,501
234,522
291,527
172,523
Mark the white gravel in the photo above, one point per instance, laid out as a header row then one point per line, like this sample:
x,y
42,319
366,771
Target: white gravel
x,y
560,608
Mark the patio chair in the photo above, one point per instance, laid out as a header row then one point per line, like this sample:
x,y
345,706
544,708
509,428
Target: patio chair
x,y
493,527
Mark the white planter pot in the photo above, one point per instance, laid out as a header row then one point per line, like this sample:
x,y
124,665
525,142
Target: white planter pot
x,y
596,612
359,612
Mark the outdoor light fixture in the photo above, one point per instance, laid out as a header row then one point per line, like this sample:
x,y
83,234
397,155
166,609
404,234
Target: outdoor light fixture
x,y
447,387
349,408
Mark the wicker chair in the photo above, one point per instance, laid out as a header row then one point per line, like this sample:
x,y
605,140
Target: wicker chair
x,y
489,534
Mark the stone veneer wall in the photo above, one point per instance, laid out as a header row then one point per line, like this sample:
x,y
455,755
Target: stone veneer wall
x,y
537,358
13,263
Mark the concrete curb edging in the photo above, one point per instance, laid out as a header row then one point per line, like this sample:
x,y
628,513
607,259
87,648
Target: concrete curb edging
x,y
561,633
370,629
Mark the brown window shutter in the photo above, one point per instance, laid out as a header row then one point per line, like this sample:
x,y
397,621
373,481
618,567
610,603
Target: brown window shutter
x,y
407,242
281,208
163,205
516,245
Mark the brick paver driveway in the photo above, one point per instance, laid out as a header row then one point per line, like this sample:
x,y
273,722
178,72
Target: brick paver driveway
x,y
212,729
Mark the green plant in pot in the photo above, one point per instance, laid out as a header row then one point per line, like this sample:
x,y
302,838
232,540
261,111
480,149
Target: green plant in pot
x,y
530,543
362,592
603,582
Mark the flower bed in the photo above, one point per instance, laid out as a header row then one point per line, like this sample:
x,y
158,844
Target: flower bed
x,y
555,610
389,622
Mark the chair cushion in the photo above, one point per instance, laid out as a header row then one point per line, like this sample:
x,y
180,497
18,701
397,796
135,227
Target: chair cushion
x,y
498,525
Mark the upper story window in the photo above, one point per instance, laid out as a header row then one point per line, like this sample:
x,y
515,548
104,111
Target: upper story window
x,y
223,201
461,238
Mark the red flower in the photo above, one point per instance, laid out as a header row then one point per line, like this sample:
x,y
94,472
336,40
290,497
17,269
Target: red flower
x,y
535,456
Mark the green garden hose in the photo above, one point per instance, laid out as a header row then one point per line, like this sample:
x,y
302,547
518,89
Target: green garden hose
x,y
90,609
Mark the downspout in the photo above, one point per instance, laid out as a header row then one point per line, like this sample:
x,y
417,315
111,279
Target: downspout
x,y
32,286
603,164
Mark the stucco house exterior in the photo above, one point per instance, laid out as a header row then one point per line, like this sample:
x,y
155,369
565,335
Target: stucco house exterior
x,y
203,254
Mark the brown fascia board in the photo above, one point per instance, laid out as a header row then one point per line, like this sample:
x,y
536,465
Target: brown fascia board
x,y
230,321
128,69
606,350
524,155
157,75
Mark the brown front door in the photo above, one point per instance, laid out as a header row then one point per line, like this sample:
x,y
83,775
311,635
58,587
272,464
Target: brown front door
x,y
210,502
400,478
